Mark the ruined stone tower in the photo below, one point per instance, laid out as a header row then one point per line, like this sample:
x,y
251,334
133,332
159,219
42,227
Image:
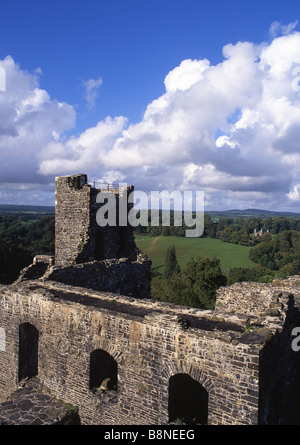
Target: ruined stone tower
x,y
100,257
78,237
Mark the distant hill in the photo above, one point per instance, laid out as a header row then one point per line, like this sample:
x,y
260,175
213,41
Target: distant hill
x,y
251,213
11,208
235,213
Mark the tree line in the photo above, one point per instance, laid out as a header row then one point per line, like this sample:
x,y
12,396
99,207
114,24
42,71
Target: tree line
x,y
276,253
230,230
21,238
279,254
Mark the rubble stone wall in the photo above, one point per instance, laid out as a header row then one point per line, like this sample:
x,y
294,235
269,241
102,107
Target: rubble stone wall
x,y
93,256
146,341
78,236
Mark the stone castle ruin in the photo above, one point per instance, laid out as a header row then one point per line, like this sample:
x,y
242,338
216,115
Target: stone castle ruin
x,y
82,342
87,255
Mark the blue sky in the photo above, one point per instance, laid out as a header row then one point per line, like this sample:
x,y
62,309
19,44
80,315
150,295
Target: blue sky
x,y
130,44
142,91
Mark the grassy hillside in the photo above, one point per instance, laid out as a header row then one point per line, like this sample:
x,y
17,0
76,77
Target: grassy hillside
x,y
231,255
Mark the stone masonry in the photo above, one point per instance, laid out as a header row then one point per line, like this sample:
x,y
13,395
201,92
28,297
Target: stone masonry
x,y
100,258
122,360
78,237
239,360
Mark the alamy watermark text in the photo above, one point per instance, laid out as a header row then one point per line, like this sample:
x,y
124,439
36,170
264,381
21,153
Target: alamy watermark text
x,y
134,209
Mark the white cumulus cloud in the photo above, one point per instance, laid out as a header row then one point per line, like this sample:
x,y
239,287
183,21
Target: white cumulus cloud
x,y
29,119
231,129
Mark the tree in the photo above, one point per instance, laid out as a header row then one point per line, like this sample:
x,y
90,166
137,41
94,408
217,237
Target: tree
x,y
21,238
258,274
176,290
206,277
171,265
196,286
209,227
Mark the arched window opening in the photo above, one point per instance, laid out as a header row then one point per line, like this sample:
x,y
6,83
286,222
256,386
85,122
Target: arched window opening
x,y
28,351
188,400
103,371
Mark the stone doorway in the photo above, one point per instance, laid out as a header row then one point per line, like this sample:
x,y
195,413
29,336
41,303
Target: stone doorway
x,y
188,400
28,351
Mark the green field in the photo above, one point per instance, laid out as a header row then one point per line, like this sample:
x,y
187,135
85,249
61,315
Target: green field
x,y
231,255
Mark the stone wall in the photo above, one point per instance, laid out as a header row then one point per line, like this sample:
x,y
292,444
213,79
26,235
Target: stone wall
x,y
252,299
149,344
122,276
78,237
89,255
72,220
273,306
280,376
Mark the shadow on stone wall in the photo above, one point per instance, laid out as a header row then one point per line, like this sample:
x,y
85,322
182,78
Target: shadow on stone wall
x,y
279,398
121,276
